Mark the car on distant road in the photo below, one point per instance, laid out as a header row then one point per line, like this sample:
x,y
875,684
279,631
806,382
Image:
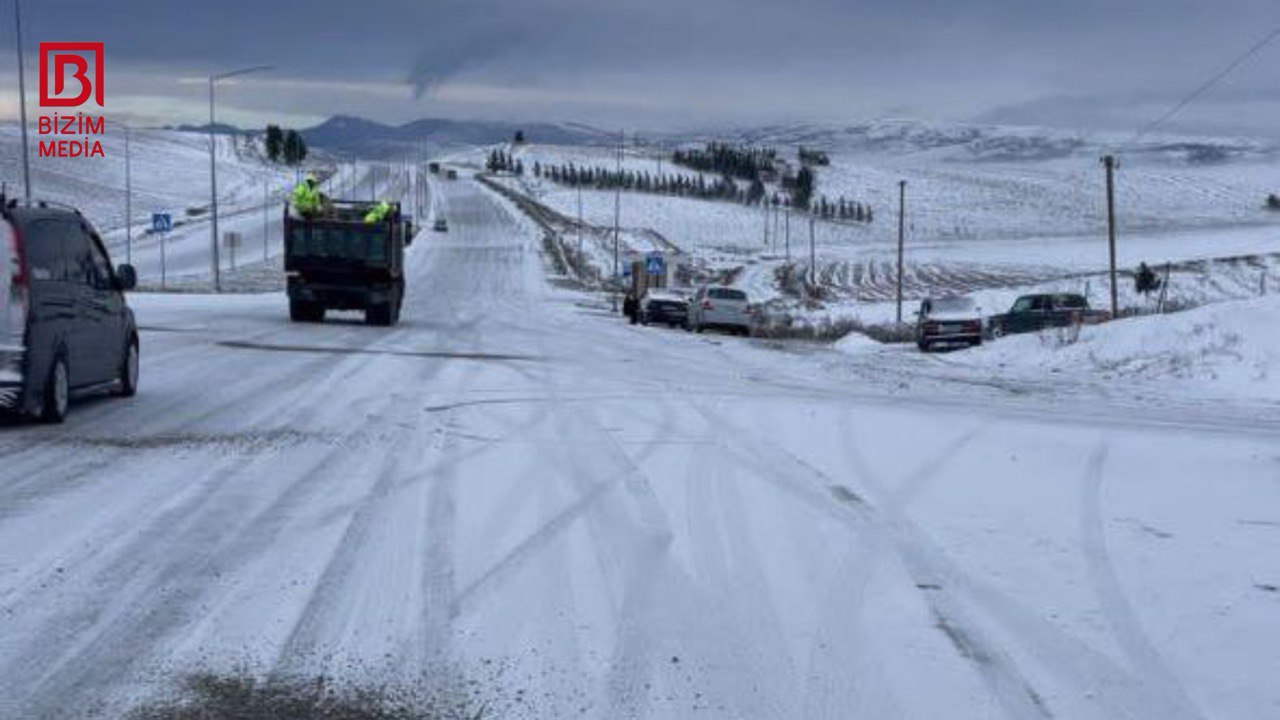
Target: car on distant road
x,y
720,307
65,328
948,322
1032,313
664,307
451,174
440,225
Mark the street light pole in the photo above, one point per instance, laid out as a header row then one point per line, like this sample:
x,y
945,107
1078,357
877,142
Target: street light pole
x,y
213,191
213,168
902,227
617,215
128,202
22,103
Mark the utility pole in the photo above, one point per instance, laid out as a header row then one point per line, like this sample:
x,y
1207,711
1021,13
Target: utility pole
x,y
213,168
813,259
1109,162
765,206
787,233
902,233
617,216
579,186
128,202
265,220
22,103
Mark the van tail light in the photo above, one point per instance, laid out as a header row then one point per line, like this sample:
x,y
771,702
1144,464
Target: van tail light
x,y
11,241
706,305
17,269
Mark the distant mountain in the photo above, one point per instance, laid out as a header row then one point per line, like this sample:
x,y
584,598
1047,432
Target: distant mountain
x,y
218,129
345,133
968,143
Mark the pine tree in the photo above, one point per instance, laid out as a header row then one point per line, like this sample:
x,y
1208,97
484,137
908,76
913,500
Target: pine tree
x,y
274,142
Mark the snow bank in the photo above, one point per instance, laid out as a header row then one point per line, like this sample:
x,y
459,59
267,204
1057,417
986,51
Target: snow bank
x,y
855,343
1230,348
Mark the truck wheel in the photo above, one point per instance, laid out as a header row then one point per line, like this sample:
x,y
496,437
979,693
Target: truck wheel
x,y
305,312
57,393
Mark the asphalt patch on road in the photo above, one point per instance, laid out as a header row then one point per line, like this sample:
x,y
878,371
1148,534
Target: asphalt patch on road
x,y
431,354
248,441
207,696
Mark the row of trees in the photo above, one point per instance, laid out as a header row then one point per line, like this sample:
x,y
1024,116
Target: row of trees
x,y
679,185
286,145
696,186
743,163
809,156
499,161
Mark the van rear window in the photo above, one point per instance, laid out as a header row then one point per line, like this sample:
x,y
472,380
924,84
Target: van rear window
x,y
727,294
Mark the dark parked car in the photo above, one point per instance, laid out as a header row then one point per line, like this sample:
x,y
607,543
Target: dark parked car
x,y
65,329
948,322
440,225
1032,313
661,307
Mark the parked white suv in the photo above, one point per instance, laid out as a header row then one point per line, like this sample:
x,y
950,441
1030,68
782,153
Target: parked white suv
x,y
720,307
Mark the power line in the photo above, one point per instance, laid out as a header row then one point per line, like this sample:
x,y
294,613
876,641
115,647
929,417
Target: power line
x,y
1202,89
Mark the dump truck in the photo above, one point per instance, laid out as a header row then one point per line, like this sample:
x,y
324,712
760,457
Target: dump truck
x,y
335,260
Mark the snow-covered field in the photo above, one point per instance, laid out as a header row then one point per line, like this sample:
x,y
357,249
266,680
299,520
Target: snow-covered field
x,y
170,173
991,211
516,496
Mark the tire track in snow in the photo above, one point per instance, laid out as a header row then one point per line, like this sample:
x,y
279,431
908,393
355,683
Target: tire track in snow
x,y
1147,662
924,564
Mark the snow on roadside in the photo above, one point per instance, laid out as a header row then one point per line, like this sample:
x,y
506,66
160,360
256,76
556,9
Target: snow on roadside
x,y
1226,349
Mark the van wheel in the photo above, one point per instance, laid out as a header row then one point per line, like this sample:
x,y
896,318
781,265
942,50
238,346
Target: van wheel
x,y
57,393
379,315
129,369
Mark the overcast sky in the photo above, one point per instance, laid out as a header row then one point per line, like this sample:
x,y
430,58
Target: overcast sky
x,y
673,63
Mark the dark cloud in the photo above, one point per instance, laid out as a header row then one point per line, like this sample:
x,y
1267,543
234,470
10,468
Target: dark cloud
x,y
729,59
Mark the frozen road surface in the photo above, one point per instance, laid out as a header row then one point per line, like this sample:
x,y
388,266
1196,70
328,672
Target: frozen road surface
x,y
578,518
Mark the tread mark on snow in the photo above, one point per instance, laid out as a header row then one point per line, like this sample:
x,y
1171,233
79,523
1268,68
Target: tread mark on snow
x,y
1118,610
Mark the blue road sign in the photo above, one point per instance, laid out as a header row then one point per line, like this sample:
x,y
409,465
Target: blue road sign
x,y
654,264
161,222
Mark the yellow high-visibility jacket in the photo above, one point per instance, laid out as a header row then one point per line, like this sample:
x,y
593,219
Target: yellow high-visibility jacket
x,y
305,198
378,213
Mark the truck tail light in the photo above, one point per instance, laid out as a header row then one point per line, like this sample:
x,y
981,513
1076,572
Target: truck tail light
x,y
706,305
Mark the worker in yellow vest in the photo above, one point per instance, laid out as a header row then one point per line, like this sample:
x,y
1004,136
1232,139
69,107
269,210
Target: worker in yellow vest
x,y
306,197
378,213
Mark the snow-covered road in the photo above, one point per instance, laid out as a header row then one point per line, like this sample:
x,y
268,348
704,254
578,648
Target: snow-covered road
x,y
598,520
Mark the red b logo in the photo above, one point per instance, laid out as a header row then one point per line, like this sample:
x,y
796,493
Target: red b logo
x,y
67,57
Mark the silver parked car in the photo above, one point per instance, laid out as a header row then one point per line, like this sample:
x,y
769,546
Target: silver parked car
x,y
720,307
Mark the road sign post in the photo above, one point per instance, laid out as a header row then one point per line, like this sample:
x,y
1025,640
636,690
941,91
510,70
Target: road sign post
x,y
233,241
162,223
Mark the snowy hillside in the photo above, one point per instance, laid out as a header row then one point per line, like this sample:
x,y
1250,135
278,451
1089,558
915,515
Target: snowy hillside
x,y
169,168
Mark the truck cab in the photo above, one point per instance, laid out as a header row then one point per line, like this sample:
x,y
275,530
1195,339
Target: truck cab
x,y
335,260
